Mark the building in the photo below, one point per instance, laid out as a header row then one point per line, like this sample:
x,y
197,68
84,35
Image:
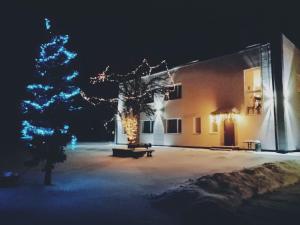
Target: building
x,y
253,94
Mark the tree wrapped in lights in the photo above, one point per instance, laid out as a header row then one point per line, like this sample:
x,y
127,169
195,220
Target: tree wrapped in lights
x,y
134,91
51,98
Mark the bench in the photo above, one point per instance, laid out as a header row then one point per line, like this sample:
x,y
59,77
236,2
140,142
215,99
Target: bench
x,y
149,145
8,178
132,152
148,152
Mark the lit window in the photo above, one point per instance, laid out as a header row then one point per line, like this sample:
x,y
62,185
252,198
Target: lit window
x,y
173,126
174,92
214,123
214,127
197,125
253,90
148,127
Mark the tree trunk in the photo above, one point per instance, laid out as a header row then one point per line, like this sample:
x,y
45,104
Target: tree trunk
x,y
48,173
137,139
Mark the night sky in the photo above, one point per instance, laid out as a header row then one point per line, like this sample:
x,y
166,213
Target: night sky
x,y
121,34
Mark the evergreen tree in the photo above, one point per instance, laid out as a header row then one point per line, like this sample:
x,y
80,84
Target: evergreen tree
x,y
51,98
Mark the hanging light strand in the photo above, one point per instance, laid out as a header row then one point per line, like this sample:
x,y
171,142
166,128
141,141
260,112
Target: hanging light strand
x,y
104,77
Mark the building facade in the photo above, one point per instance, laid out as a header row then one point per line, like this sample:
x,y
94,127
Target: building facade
x,y
226,101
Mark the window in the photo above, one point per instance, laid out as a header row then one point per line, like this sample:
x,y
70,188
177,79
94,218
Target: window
x,y
173,126
197,125
253,90
214,123
174,92
148,127
214,127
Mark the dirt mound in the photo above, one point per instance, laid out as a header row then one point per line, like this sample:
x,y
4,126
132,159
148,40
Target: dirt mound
x,y
221,193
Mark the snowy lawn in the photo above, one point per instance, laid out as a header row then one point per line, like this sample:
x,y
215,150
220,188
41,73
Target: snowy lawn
x,y
92,187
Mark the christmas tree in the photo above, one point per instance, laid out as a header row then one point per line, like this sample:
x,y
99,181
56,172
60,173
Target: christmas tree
x,y
51,98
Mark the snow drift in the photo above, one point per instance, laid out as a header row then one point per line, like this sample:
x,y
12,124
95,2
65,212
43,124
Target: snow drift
x,y
226,191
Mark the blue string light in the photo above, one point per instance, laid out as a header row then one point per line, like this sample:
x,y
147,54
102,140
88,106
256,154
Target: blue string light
x,y
33,87
71,76
62,96
65,96
72,108
65,129
47,96
29,131
47,24
73,142
56,47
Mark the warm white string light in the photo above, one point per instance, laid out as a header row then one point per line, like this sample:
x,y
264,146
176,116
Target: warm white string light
x,y
128,92
96,101
101,77
104,77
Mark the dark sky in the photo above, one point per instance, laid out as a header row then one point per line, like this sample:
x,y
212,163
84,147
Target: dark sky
x,y
122,33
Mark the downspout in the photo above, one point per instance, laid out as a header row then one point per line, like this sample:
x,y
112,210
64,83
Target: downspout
x,y
116,130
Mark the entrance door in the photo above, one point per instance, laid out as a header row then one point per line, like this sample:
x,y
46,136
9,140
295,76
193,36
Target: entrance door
x,y
229,138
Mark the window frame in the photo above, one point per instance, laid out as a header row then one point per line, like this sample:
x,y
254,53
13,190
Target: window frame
x,y
178,126
151,126
247,93
180,93
214,120
194,125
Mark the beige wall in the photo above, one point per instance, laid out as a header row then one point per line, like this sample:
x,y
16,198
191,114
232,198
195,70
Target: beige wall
x,y
206,87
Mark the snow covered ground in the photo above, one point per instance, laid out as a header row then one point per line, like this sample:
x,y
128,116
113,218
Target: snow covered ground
x,y
92,187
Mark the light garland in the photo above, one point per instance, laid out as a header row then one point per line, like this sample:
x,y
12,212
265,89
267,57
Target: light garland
x,y
71,76
115,78
134,87
62,96
56,45
65,129
30,130
73,142
96,101
130,124
103,76
33,87
72,108
47,24
56,90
